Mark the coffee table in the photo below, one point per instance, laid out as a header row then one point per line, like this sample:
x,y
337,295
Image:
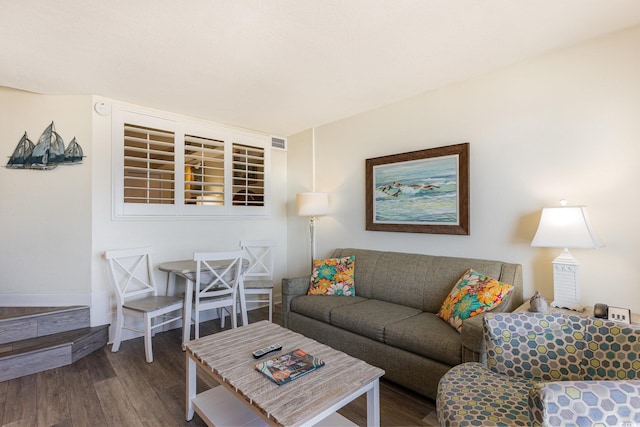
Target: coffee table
x,y
247,397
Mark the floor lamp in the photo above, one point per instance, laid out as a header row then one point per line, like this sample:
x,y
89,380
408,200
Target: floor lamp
x,y
312,204
565,227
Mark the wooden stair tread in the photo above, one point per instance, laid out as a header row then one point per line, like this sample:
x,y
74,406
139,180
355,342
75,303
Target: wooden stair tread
x,y
48,341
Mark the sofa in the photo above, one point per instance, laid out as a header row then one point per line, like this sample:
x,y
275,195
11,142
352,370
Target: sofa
x,y
547,369
391,322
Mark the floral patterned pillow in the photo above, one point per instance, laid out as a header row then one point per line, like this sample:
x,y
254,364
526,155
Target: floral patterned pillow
x,y
333,276
473,294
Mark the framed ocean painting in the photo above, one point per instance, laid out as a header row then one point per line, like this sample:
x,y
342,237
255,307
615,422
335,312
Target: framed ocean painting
x,y
425,191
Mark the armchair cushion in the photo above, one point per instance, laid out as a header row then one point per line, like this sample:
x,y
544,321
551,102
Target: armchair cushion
x,y
471,395
612,403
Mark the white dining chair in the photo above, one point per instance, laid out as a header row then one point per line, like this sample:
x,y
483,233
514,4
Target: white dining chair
x,y
257,279
216,287
131,277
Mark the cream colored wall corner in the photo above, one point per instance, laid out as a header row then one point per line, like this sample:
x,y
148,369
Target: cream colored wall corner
x,y
564,125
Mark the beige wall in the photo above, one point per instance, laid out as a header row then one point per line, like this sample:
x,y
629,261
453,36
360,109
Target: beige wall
x,y
45,216
562,126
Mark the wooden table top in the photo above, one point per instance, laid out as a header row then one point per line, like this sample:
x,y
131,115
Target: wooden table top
x,y
228,359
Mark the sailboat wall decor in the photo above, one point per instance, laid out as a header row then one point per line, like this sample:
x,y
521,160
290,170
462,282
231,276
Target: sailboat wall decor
x,y
48,153
22,153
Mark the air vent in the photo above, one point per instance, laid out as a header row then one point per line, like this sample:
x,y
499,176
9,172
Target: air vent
x,y
279,143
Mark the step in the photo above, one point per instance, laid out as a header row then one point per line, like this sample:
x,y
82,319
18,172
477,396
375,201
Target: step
x,y
34,339
32,355
18,323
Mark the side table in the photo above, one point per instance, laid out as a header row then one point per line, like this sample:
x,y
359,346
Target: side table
x,y
588,312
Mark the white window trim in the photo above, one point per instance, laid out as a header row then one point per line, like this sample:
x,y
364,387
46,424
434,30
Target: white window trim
x,y
180,127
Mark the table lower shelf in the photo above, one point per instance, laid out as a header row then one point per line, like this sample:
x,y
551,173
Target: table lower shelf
x,y
219,407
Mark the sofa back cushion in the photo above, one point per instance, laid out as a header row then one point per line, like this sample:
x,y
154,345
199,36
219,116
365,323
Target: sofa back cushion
x,y
612,351
423,281
546,347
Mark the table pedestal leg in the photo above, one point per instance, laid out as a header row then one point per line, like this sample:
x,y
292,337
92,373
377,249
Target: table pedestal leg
x,y
186,321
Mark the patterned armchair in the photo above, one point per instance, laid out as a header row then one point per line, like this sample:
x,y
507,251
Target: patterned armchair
x,y
547,369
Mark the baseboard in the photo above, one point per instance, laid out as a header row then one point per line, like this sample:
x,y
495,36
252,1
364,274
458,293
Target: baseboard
x,y
45,300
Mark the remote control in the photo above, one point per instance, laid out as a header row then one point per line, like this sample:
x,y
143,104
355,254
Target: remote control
x,y
261,352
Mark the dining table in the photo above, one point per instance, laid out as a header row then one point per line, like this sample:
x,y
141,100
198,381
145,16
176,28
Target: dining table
x,y
186,269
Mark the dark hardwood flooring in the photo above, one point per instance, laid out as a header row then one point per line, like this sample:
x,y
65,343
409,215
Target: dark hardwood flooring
x,y
121,389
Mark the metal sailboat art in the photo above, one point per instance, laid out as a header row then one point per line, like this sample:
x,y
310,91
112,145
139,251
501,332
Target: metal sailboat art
x,y
73,153
48,153
22,154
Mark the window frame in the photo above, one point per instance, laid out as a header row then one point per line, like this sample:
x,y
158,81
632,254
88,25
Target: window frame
x,y
181,127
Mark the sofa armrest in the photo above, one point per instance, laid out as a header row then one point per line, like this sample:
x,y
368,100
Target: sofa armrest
x,y
472,338
580,402
291,288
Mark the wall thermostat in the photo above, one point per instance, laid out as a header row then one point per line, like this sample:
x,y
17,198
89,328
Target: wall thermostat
x,y
102,108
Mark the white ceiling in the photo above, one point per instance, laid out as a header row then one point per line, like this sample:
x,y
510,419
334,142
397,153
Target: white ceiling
x,y
281,66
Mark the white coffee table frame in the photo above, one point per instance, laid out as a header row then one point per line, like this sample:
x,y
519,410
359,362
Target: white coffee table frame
x,y
226,357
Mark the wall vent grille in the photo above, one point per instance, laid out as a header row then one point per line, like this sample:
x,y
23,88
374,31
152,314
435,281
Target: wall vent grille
x,y
279,143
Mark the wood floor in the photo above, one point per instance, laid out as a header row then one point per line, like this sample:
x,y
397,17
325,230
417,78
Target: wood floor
x,y
121,389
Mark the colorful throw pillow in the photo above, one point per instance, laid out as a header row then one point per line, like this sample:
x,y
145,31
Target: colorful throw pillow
x,y
473,294
333,276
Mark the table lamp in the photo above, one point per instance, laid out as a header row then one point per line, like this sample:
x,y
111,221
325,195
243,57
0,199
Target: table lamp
x,y
312,204
565,227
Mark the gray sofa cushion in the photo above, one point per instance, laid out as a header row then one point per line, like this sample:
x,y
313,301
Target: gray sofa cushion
x,y
420,281
371,317
319,307
428,335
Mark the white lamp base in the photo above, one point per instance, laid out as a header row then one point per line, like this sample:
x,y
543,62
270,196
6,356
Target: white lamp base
x,y
565,282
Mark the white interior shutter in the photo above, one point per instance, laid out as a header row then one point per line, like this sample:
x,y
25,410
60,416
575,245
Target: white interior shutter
x,y
248,175
149,162
203,171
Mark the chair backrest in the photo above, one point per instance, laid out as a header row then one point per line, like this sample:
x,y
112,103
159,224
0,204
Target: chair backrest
x,y
131,273
538,346
261,256
217,273
612,350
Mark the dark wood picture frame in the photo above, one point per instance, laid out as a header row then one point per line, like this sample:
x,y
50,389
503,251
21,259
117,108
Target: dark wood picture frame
x,y
400,189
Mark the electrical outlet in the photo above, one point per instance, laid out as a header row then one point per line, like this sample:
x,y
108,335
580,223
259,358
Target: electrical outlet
x,y
619,314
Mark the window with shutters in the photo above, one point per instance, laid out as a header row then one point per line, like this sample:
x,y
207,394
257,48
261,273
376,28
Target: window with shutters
x,y
248,175
149,160
203,171
170,168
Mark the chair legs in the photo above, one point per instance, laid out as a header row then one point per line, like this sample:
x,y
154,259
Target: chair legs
x,y
224,311
117,336
196,321
222,314
270,306
234,310
148,350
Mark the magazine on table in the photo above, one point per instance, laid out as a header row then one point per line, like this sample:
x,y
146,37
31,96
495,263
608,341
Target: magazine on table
x,y
289,366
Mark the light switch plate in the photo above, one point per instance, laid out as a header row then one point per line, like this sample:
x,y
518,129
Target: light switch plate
x,y
619,314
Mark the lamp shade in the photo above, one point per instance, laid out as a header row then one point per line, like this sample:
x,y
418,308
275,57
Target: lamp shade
x,y
565,227
312,204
